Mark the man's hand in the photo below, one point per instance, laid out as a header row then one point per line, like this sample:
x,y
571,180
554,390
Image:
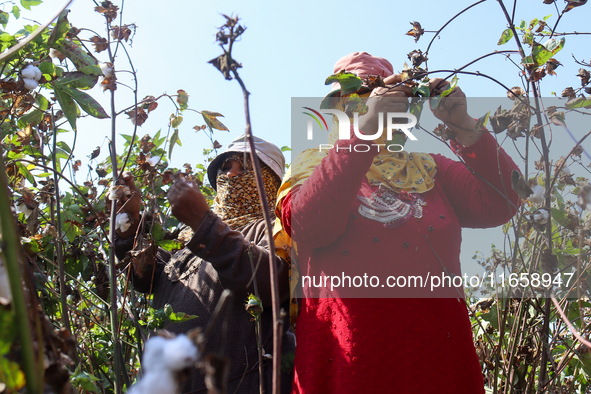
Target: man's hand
x,y
188,203
391,98
453,111
130,202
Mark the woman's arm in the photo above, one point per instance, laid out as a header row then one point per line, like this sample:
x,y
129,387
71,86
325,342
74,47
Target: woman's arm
x,y
481,195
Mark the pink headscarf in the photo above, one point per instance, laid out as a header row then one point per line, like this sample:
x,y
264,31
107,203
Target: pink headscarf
x,y
363,64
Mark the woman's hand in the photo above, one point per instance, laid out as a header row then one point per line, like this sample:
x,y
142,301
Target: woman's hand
x,y
453,111
391,98
188,203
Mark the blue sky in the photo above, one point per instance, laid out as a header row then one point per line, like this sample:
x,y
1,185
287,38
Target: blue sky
x,y
289,49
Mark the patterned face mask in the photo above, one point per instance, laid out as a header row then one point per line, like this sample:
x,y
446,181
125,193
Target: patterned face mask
x,y
237,200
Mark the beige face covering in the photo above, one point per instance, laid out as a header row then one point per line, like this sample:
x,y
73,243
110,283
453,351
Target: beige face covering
x,y
237,200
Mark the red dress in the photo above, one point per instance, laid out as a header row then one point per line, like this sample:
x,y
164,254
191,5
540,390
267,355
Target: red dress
x,y
390,345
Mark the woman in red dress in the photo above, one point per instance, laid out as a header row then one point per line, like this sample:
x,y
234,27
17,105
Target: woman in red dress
x,y
378,213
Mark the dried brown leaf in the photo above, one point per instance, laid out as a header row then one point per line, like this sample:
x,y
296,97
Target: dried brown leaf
x,y
108,9
416,31
584,76
138,116
568,92
99,43
121,32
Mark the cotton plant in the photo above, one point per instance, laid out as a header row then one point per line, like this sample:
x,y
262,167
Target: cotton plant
x,y
163,360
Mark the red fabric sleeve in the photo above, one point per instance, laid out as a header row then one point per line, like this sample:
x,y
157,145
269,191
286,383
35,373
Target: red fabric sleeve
x,y
481,195
320,206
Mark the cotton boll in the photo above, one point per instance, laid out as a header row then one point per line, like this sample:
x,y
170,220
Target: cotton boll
x,y
5,293
153,359
118,191
180,353
107,69
162,359
122,222
540,217
565,171
23,208
157,382
584,197
30,84
31,72
538,195
153,160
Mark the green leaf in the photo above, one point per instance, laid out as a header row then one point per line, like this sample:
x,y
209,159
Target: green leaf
x,y
533,23
25,172
84,380
350,83
86,102
182,99
72,231
212,122
29,150
68,105
41,102
7,330
29,3
48,68
34,116
3,18
175,121
422,89
505,37
547,17
6,37
559,215
481,122
61,154
83,61
542,53
179,317
285,149
555,45
174,139
11,375
16,12
434,101
579,102
529,62
170,244
528,38
157,141
64,146
76,80
452,86
127,138
62,26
